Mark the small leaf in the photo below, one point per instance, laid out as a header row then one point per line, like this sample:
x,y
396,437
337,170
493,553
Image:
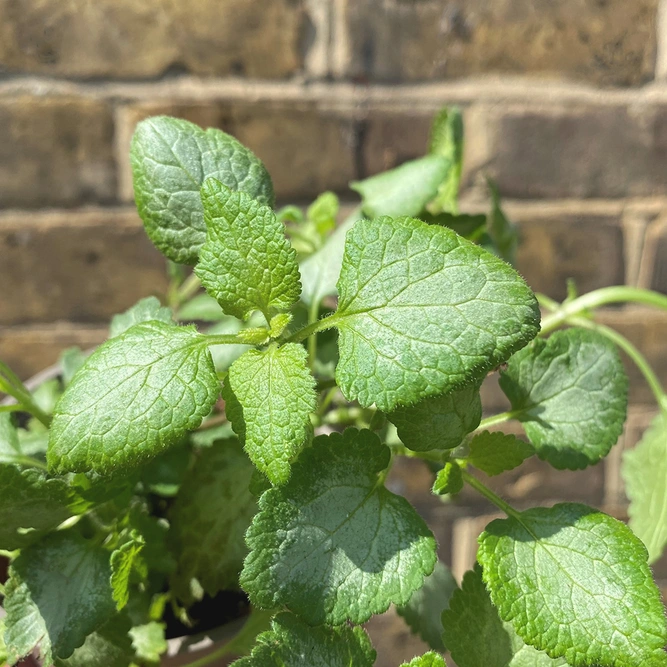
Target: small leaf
x,y
58,593
440,422
144,310
423,311
269,396
137,395
171,159
123,561
424,609
427,660
70,361
292,643
333,544
323,212
209,518
247,262
447,141
645,474
449,480
201,308
571,393
493,643
497,452
575,583
504,235
149,641
10,449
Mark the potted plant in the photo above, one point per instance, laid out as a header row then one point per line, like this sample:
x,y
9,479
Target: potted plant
x,y
233,473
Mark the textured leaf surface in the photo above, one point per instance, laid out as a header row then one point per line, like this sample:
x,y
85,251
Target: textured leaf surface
x,y
171,159
423,611
423,311
209,518
71,360
440,422
427,660
493,643
449,480
575,582
269,396
122,561
144,310
137,395
57,594
497,452
571,393
333,544
31,503
645,475
149,641
292,643
247,262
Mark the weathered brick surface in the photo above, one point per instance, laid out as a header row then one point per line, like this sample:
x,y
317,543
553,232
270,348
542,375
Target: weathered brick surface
x,y
55,151
145,38
653,269
307,149
29,350
609,42
83,266
393,640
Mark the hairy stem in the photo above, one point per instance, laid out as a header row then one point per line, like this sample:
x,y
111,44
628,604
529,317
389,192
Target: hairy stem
x,y
12,385
313,328
224,339
313,312
490,495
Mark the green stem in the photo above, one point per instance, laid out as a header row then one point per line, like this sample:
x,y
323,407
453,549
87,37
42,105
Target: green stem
x,y
498,419
187,290
313,328
602,297
326,401
10,384
224,339
29,461
490,495
313,313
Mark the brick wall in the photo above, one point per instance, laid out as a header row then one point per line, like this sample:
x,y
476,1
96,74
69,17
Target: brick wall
x,y
565,105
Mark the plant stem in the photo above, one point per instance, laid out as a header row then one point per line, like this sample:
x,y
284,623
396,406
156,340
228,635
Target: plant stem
x,y
601,297
497,419
313,313
12,385
326,401
490,495
188,289
224,339
313,328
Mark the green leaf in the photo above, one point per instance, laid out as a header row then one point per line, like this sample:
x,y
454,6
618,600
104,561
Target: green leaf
x,y
247,262
110,646
57,594
645,474
449,480
320,271
570,392
575,583
209,518
201,308
225,355
70,361
429,659
423,311
171,160
149,641
10,449
493,643
31,504
424,609
323,212
497,452
137,395
144,310
440,422
504,235
292,643
269,396
447,141
404,190
334,544
469,226
123,561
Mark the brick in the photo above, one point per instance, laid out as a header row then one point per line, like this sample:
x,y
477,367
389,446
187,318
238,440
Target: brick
x,y
393,640
83,266
653,267
29,350
55,152
577,149
138,39
611,42
306,149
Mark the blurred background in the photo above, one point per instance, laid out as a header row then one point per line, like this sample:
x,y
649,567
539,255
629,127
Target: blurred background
x,y
565,106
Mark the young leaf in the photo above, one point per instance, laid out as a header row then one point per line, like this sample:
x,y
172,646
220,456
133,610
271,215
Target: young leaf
x,y
447,141
424,609
429,659
137,395
645,475
201,308
497,452
575,583
148,641
171,159
449,480
31,504
504,235
70,361
440,422
247,262
494,643
269,396
123,561
570,391
323,212
144,310
333,544
209,518
423,311
293,643
57,594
